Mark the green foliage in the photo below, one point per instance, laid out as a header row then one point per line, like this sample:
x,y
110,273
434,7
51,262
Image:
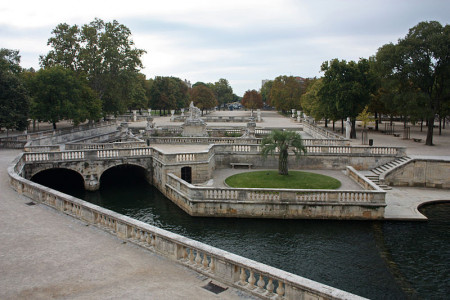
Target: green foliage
x,y
415,72
168,93
59,93
312,104
272,179
285,93
281,142
347,88
105,53
365,116
265,91
14,99
252,100
203,97
222,91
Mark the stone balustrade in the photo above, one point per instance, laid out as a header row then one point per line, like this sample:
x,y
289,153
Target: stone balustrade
x,y
361,179
276,203
259,279
320,133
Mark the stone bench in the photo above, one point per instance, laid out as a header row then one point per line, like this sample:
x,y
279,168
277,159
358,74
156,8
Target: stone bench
x,y
233,165
417,140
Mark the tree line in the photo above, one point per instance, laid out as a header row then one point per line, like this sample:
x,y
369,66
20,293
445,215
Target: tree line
x,y
91,72
409,79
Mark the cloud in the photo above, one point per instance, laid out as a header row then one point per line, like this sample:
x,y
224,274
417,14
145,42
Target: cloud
x,y
243,41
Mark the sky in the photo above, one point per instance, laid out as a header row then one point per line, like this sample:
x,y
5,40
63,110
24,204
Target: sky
x,y
243,41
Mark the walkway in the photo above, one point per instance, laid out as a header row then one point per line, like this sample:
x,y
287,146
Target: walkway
x,y
47,255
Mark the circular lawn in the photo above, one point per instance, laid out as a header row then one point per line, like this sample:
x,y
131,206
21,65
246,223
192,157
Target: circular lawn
x,y
271,179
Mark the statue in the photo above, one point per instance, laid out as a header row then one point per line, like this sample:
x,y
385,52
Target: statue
x,y
194,126
348,128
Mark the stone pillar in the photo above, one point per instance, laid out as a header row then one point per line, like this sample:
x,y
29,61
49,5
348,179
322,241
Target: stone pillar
x,y
258,115
134,116
172,112
293,113
182,112
149,111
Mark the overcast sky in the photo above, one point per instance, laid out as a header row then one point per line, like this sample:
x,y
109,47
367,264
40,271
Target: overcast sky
x,y
239,40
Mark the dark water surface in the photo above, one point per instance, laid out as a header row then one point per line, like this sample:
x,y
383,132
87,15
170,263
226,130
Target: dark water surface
x,y
378,260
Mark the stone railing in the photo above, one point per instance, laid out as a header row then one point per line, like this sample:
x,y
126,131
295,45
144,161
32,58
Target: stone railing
x,y
256,278
102,146
275,203
230,140
361,179
318,132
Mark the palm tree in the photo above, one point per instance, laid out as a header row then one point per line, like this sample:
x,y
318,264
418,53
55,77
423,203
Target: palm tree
x,y
281,141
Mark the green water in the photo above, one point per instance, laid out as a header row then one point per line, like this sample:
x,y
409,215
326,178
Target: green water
x,y
378,260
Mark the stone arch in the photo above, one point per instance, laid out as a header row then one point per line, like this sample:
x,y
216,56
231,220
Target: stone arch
x,y
145,172
58,178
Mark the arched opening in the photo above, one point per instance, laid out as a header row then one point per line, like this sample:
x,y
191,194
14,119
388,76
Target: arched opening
x,y
186,174
63,180
124,176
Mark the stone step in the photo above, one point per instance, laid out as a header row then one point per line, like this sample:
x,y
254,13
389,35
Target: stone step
x,y
385,187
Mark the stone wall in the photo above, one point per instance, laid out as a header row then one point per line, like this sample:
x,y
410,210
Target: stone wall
x,y
431,173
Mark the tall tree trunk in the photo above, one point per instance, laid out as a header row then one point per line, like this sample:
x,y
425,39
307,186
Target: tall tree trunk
x,y
429,141
326,123
342,126
353,131
333,125
440,125
54,125
421,125
376,121
283,162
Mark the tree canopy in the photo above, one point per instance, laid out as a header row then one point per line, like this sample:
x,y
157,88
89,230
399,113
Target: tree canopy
x,y
14,98
281,142
252,100
285,93
416,72
203,97
105,53
346,89
59,93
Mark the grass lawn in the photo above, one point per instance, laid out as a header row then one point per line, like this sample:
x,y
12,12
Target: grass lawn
x,y
271,179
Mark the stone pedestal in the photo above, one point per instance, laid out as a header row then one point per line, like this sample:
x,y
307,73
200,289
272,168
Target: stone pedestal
x,y
194,126
258,114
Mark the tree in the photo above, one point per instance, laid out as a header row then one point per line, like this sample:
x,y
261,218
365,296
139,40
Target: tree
x,y
222,91
105,53
311,102
265,91
168,93
252,100
60,93
347,88
282,141
14,98
285,93
418,66
203,97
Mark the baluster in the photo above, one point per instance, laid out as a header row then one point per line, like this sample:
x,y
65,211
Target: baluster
x,y
251,281
261,283
198,259
212,265
184,254
205,262
270,288
191,256
280,290
243,278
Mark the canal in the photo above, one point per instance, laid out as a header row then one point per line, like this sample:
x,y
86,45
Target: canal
x,y
378,260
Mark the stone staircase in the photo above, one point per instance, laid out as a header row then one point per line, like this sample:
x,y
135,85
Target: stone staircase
x,y
374,174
